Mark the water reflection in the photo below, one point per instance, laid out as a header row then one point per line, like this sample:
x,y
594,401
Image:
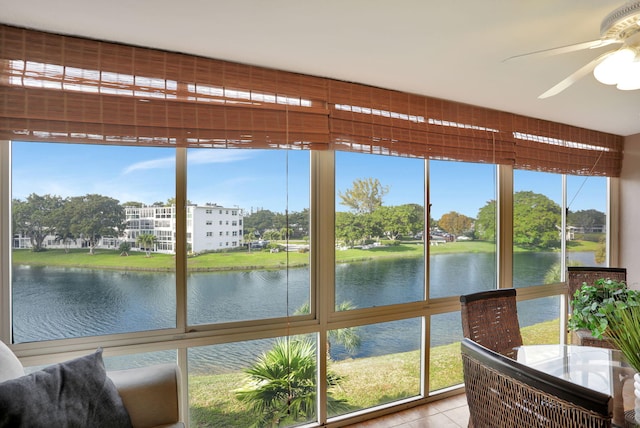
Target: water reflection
x,y
56,303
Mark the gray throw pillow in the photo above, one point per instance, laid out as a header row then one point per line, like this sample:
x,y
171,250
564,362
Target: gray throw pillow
x,y
76,393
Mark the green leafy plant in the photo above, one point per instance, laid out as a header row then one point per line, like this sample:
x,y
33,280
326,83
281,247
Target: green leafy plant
x,y
592,303
280,388
624,331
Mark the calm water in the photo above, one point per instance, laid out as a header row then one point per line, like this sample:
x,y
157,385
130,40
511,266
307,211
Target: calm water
x,y
67,302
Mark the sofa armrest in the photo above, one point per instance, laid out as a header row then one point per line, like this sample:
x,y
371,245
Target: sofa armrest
x,y
150,394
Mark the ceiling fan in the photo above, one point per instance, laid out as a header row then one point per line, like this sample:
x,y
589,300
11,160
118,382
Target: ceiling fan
x,y
620,67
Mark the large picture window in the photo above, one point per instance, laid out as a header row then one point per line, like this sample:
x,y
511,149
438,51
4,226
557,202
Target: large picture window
x,y
379,230
537,228
250,259
255,265
587,221
87,241
462,228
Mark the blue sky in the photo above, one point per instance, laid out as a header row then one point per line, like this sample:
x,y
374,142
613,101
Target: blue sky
x,y
252,179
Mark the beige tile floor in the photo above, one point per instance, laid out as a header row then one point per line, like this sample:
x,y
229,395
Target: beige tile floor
x,y
448,413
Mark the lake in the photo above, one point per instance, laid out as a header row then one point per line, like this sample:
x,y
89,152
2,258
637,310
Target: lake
x,y
57,303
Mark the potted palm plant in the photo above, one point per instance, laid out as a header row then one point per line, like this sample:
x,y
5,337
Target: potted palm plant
x,y
592,303
624,332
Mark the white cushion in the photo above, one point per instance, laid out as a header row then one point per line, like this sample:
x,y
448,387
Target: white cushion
x,y
150,394
10,366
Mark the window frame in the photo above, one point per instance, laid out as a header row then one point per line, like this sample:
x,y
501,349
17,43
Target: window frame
x,y
322,317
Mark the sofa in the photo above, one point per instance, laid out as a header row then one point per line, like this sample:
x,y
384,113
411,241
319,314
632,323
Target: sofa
x,y
80,392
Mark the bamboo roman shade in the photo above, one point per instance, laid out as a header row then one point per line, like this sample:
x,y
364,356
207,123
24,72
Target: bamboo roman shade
x,y
381,121
59,88
375,120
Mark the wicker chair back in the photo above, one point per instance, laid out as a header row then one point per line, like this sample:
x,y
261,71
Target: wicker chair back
x,y
490,318
503,393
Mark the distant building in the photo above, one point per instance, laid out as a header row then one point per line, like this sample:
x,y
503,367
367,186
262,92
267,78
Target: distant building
x,y
209,227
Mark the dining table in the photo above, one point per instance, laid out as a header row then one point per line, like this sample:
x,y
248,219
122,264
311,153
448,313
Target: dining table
x,y
600,369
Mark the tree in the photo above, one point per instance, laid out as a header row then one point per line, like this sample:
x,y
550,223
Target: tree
x,y
124,248
416,217
286,232
535,220
455,223
172,201
364,196
295,223
35,218
486,222
93,216
280,388
272,235
260,221
62,223
587,219
133,204
146,241
299,223
393,222
601,251
553,274
250,235
352,228
349,337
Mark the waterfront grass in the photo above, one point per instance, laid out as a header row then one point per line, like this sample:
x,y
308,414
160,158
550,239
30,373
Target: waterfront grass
x,y
368,381
101,259
236,260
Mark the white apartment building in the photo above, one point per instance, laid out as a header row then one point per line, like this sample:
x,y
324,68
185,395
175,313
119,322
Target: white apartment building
x,y
212,227
209,227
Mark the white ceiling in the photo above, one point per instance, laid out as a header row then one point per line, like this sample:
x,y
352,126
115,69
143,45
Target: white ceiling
x,y
451,49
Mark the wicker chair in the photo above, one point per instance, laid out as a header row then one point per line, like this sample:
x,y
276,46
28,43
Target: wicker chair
x,y
504,393
490,318
578,275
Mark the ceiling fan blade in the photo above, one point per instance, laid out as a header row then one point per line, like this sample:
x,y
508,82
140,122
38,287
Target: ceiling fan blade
x,y
594,44
575,76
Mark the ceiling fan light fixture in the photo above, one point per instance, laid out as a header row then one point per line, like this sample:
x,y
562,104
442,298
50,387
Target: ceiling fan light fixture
x,y
622,26
630,77
612,68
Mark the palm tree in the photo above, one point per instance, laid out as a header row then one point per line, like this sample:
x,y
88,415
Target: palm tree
x,y
553,274
124,248
281,385
286,232
348,337
146,241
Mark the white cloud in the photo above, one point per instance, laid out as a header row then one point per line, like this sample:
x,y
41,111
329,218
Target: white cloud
x,y
206,156
195,157
161,163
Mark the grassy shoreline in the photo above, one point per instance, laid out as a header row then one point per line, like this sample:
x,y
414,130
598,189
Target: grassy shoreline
x,y
243,260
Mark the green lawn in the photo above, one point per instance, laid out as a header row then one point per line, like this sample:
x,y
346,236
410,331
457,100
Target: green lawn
x,y
368,381
111,259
